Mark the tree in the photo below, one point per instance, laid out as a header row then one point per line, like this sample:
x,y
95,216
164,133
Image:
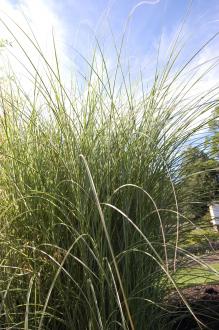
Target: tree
x,y
212,141
198,186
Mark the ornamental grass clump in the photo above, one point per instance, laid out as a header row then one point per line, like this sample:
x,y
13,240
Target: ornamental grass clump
x,y
89,208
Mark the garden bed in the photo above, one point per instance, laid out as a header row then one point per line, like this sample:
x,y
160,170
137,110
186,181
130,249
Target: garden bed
x,y
204,302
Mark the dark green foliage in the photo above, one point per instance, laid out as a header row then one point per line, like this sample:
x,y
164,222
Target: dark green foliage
x,y
198,184
212,141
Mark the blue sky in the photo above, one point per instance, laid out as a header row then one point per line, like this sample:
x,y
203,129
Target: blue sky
x,y
76,24
82,20
147,21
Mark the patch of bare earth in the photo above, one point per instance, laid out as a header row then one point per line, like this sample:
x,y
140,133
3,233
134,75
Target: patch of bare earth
x,y
203,300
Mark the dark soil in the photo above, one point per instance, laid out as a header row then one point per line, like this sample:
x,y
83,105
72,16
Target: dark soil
x,y
206,258
204,302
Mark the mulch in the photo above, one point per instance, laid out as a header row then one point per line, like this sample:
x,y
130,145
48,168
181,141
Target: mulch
x,y
195,293
204,302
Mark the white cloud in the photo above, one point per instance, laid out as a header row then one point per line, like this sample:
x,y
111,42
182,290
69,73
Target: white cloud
x,y
38,19
43,16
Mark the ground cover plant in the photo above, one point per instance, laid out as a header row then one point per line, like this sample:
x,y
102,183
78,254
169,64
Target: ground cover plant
x,y
200,237
90,214
198,275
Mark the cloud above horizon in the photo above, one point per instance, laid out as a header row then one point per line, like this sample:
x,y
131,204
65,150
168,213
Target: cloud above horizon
x,y
150,25
28,26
